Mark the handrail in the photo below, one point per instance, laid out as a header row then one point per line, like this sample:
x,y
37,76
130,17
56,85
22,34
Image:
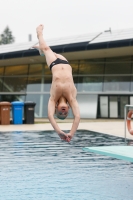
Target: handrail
x,y
125,117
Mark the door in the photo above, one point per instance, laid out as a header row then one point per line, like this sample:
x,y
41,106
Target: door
x,y
123,102
103,106
113,107
131,100
88,105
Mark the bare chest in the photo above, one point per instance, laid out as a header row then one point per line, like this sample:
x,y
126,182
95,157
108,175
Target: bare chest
x,y
62,88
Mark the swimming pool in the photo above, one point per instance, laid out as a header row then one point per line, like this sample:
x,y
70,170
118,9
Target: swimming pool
x,y
38,165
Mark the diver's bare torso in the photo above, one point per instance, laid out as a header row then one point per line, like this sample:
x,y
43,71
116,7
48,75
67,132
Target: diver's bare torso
x,y
62,83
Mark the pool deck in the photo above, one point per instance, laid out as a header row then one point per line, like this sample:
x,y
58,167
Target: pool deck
x,y
106,126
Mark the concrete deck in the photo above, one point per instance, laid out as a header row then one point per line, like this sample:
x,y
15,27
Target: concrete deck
x,y
111,127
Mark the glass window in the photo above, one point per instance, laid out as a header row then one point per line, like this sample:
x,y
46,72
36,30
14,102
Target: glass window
x,y
34,84
14,84
1,71
119,59
117,83
36,69
16,70
1,83
132,83
132,67
86,84
118,68
47,83
47,71
123,102
45,105
11,98
74,65
86,67
41,110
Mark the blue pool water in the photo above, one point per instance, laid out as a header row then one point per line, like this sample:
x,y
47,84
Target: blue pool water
x,y
38,165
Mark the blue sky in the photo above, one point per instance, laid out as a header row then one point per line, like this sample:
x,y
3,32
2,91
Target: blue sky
x,y
64,17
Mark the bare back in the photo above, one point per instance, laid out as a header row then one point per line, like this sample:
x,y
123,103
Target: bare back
x,y
62,83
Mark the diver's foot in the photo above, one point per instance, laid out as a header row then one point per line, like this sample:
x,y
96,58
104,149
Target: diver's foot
x,y
40,51
39,30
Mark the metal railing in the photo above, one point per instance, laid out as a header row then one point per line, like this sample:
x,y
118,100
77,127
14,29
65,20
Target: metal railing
x,y
125,118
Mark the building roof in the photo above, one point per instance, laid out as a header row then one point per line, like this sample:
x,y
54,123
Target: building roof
x,y
90,41
8,48
109,35
51,42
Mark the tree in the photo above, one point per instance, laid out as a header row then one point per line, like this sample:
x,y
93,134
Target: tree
x,y
6,37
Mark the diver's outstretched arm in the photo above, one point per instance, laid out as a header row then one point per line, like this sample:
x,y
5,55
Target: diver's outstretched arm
x,y
76,112
51,111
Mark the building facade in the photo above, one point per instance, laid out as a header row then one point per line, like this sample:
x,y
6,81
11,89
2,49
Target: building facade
x,y
102,66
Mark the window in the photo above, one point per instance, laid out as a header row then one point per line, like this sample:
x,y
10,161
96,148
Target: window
x,y
116,83
74,65
47,83
118,68
1,71
14,84
86,67
35,69
34,84
16,70
41,100
86,84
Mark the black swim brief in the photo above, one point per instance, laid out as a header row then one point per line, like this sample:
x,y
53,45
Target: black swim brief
x,y
58,61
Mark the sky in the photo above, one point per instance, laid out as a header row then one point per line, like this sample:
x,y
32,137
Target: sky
x,y
63,18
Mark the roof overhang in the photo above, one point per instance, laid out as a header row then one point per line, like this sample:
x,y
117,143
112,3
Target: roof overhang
x,y
73,51
76,55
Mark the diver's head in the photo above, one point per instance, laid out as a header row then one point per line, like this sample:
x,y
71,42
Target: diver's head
x,y
62,108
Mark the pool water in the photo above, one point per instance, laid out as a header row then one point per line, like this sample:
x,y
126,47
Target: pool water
x,y
38,165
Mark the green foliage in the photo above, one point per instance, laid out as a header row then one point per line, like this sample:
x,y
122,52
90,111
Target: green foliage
x,y
6,37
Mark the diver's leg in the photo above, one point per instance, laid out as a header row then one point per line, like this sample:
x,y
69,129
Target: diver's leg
x,y
49,54
60,56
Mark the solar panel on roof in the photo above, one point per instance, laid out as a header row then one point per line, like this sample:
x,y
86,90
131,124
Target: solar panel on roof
x,y
108,36
91,38
51,42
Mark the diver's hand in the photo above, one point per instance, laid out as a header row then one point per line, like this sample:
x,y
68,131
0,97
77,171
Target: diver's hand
x,y
64,136
69,137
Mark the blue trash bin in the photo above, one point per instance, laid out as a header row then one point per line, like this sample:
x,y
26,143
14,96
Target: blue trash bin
x,y
17,112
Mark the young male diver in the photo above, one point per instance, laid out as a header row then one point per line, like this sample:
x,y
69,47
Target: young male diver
x,y
63,92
